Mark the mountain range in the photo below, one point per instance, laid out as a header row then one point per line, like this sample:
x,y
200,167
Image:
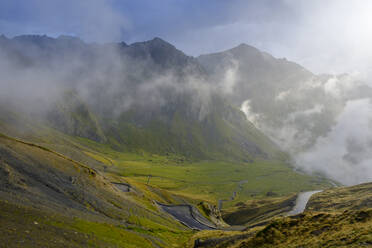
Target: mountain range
x,y
140,96
95,138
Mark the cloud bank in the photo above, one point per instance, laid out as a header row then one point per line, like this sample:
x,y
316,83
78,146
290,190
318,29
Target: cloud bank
x,y
344,154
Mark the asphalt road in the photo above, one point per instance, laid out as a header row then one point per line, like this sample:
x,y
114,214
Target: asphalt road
x,y
301,202
185,215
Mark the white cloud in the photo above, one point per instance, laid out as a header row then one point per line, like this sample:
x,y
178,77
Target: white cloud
x,y
230,78
344,153
247,110
282,95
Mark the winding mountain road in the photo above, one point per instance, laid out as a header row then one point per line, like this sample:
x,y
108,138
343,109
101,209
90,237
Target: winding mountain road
x,y
301,202
191,218
187,216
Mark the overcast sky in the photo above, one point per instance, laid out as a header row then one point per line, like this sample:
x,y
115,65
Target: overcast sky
x,y
330,36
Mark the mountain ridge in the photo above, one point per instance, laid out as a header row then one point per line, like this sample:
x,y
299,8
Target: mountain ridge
x,y
104,132
176,95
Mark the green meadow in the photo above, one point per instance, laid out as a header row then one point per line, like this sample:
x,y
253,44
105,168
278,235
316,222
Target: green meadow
x,y
205,180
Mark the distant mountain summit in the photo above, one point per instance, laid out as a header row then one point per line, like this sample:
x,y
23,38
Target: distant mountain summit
x,y
131,89
289,103
258,73
163,54
143,96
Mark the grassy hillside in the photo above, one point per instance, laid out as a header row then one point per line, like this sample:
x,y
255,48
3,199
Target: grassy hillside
x,y
222,133
68,179
208,179
72,116
342,199
339,217
129,129
50,199
63,196
258,211
30,227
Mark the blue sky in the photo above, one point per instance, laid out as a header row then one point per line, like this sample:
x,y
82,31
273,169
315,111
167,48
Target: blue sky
x,y
128,20
323,35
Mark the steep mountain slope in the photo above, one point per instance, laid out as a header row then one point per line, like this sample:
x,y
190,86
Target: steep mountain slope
x,y
72,116
185,175
259,75
222,133
75,205
144,96
147,99
104,131
287,102
71,200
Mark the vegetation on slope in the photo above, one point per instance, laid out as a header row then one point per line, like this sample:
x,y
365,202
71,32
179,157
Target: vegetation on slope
x,y
145,96
174,180
72,116
76,198
342,199
258,211
339,217
179,148
222,133
28,227
207,180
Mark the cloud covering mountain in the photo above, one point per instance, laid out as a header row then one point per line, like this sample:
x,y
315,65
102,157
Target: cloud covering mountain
x,y
144,96
152,81
322,120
